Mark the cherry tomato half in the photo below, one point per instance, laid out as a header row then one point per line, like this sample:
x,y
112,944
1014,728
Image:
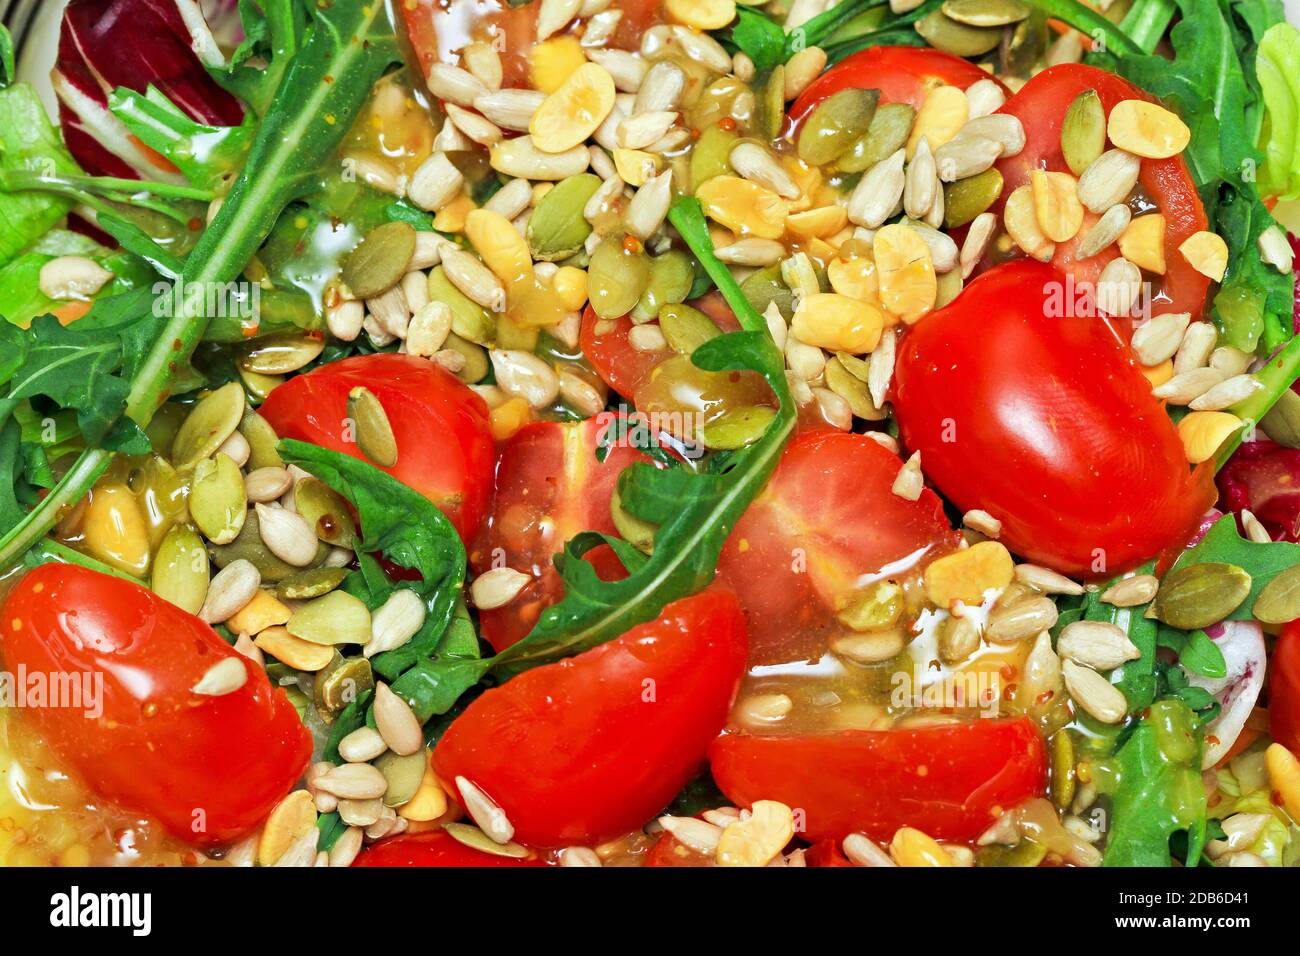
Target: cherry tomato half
x,y
434,848
1284,689
903,74
550,486
1047,424
827,519
951,781
1041,106
593,746
444,447
208,767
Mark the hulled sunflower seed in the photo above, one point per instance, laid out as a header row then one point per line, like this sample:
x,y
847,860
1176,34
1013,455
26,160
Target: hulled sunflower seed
x,y
579,856
984,97
497,587
921,181
751,252
346,848
601,28
1108,180
230,591
879,193
1096,695
664,84
965,156
428,250
435,183
959,638
483,63
627,69
520,157
640,131
880,367
1196,348
264,485
863,851
224,677
1275,250
802,68
485,811
943,250
649,206
525,375
395,622
1042,676
1021,620
353,781
979,520
390,311
1184,387
1096,644
510,109
1105,230
1118,288
287,535
468,274
699,835
1157,338
909,482
362,745
344,320
1004,129
428,330
647,338
1229,361
758,165
1046,580
1227,393
976,242
453,84
72,277
703,49
1254,530
476,128
554,15
1131,592
396,722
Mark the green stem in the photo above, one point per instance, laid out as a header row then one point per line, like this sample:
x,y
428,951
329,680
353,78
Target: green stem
x,y
1146,22
1277,376
823,26
1088,21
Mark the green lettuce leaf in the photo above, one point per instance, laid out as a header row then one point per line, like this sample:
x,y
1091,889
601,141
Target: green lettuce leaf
x,y
1277,65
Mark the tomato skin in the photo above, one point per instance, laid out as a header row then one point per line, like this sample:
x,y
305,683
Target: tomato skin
x,y
575,752
903,74
157,747
1284,689
830,500
433,848
1047,424
549,487
445,448
1041,106
872,780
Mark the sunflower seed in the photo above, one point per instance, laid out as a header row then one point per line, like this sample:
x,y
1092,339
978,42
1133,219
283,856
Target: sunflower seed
x,y
943,251
863,851
1096,644
435,183
396,722
1096,695
649,206
965,156
1105,230
476,128
751,252
640,131
428,250
959,638
1131,592
909,482
1254,530
453,84
579,856
1275,250
1046,580
1003,128
230,591
344,320
979,520
703,49
391,312
1118,288
485,811
1021,620
286,535
520,157
976,242
362,745
880,368
510,109
1196,348
662,89
353,781
601,28
395,622
699,835
921,181
647,338
497,587
879,193
627,69
554,15
264,485
224,677
1187,386
1157,338
475,280
802,68
346,847
1230,361
525,375
758,165
1227,393
1108,180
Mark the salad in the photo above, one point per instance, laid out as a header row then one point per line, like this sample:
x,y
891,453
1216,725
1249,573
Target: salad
x,y
612,432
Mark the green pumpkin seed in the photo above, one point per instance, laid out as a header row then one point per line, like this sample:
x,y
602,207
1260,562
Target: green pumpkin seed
x,y
737,428
638,533
403,773
1062,782
835,124
1279,601
249,546
967,198
671,276
311,584
281,353
890,127
985,13
257,385
949,286
374,432
852,389
380,261
335,618
218,503
325,511
469,320
1282,423
476,839
1025,853
476,358
557,229
769,112
166,424
956,38
1083,131
857,367
180,569
210,422
766,286
262,440
686,328
339,683
1026,44
1201,594
880,607
616,278
710,157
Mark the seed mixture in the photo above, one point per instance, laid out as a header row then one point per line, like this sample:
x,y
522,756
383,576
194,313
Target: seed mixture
x,y
607,433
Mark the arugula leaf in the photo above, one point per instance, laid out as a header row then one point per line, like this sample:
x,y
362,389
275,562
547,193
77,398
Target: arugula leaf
x,y
1159,791
273,33
1196,652
204,154
407,529
760,38
23,470
28,142
1263,561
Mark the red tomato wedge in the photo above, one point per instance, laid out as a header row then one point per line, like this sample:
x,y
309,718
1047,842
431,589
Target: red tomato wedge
x,y
550,486
1047,424
1041,106
439,29
593,746
826,521
1284,689
903,74
444,447
208,767
951,781
434,848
